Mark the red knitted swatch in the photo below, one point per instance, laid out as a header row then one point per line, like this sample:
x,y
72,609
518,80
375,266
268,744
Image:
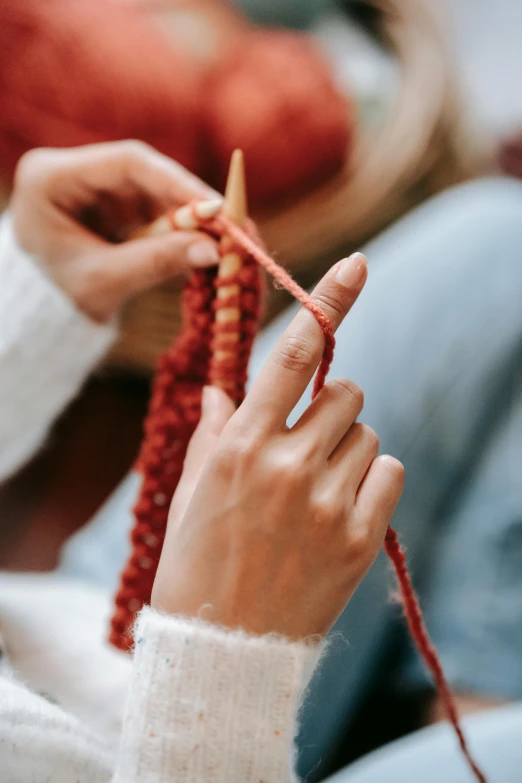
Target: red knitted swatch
x,y
174,413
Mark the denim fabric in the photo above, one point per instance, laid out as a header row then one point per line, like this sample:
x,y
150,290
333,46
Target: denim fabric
x,y
432,755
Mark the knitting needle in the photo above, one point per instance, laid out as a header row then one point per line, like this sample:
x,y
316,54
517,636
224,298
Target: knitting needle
x,y
235,205
235,208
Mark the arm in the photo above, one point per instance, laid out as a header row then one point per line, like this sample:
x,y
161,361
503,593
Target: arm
x,y
271,530
65,272
196,694
205,705
47,348
211,705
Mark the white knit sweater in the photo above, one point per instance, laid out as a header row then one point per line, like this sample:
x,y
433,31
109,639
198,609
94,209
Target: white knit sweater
x,y
196,703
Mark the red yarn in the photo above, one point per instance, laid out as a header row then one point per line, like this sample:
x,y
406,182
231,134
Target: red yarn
x,y
174,413
423,642
274,98
74,72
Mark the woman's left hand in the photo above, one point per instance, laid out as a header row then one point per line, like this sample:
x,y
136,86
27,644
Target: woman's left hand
x,y
271,528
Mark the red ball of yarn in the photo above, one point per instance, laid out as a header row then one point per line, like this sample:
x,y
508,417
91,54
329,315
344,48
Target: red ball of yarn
x,y
274,97
74,72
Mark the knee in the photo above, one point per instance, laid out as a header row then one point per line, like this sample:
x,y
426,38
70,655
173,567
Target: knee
x,y
484,210
473,227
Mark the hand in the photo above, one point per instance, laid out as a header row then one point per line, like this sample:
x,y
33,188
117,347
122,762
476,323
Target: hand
x,y
271,529
73,208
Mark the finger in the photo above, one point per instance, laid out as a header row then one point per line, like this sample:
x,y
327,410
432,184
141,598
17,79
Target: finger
x,y
142,263
216,410
327,420
118,167
353,457
294,360
380,493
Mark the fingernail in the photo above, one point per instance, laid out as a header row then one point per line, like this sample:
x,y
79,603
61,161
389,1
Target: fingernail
x,y
352,271
203,254
184,219
207,209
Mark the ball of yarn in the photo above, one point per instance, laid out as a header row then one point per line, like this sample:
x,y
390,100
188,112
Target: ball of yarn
x,y
74,72
274,97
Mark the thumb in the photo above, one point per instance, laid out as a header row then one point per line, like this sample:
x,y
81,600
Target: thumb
x,y
216,410
142,263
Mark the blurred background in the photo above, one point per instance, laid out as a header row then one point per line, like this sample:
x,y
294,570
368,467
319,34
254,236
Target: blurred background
x,y
349,114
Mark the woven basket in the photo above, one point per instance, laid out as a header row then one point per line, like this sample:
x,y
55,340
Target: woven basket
x,y
415,153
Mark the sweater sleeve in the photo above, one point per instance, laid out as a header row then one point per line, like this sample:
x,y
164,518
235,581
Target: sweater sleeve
x,y
47,348
204,705
209,705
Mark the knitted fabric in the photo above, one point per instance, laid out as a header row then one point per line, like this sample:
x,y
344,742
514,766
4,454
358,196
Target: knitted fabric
x,y
175,410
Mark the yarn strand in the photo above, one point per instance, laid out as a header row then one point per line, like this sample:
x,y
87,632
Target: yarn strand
x,y
175,410
253,248
420,636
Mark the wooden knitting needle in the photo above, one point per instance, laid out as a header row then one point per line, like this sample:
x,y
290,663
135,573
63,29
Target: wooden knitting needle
x,y
235,208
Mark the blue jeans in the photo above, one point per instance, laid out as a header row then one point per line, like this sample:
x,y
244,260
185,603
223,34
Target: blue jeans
x,y
431,756
435,341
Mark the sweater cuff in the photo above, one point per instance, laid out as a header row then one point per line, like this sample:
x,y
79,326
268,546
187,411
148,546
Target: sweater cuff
x,y
47,348
211,704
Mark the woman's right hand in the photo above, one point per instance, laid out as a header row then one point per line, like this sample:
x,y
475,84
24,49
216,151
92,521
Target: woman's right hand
x,y
272,528
73,209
